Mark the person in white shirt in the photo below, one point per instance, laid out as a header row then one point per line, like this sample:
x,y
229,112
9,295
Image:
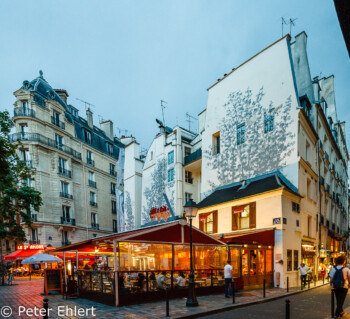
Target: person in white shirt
x,y
303,273
340,276
181,280
228,279
161,281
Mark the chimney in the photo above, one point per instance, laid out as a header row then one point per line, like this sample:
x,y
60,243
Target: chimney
x,y
89,117
63,94
316,88
107,128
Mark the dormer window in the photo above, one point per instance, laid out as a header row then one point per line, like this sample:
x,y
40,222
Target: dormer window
x,y
87,136
109,148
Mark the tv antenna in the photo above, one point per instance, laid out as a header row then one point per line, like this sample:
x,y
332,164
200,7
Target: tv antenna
x,y
121,131
291,23
87,104
189,119
100,118
163,106
283,23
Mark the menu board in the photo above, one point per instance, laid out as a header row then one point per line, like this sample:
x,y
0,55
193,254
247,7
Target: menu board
x,y
53,280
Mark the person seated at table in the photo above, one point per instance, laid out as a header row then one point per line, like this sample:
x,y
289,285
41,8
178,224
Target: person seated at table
x,y
161,281
140,279
181,280
19,272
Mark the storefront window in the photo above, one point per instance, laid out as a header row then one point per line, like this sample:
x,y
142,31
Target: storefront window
x,y
296,259
182,257
289,260
245,264
253,262
210,257
235,261
268,262
261,259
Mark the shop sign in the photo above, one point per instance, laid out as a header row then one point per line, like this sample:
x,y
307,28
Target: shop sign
x,y
276,221
239,210
159,213
308,248
30,247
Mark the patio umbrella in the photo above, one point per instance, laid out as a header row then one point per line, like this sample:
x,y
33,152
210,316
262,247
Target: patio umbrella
x,y
40,259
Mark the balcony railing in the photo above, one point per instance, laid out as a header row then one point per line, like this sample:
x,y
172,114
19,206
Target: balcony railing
x,y
58,123
34,217
65,242
27,163
92,203
67,221
95,226
35,137
113,173
193,156
34,242
64,172
66,195
20,111
92,183
90,162
115,230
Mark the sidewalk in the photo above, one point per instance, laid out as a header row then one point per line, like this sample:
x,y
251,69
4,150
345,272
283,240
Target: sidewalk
x,y
27,293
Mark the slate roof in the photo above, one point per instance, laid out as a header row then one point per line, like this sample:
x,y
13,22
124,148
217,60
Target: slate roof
x,y
42,91
251,187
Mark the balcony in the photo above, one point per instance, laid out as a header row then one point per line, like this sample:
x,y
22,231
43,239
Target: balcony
x,y
189,180
27,163
193,156
64,172
66,242
66,195
34,218
35,137
95,226
58,123
92,183
67,221
92,203
34,242
113,173
20,111
90,162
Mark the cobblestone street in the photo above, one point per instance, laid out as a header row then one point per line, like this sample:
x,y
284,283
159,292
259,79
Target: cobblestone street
x,y
28,294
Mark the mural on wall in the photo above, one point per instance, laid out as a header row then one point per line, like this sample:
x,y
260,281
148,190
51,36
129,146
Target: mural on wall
x,y
129,214
159,185
255,138
120,190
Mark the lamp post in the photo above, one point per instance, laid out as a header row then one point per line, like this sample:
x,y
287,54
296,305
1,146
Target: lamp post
x,y
190,211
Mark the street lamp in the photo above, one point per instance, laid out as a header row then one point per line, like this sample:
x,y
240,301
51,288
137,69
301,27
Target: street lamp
x,y
190,211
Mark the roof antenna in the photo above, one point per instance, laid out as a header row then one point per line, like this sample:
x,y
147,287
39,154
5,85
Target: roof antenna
x,y
291,23
87,104
163,106
189,118
100,118
283,22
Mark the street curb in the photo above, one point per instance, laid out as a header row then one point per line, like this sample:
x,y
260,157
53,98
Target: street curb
x,y
227,308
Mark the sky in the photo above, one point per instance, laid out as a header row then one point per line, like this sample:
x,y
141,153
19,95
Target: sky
x,y
125,56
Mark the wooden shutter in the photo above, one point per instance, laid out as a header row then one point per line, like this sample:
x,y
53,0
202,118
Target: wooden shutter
x,y
234,220
201,225
252,215
215,222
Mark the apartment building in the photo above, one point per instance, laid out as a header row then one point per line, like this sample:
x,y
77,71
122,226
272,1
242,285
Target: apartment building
x,y
75,163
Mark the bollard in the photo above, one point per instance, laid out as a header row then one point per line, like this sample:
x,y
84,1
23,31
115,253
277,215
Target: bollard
x,y
315,281
323,279
332,303
167,302
287,284
287,309
46,307
233,292
264,288
308,283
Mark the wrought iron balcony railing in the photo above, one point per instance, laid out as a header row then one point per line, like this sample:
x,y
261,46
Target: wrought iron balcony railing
x,y
92,203
193,156
90,162
92,183
67,221
66,195
95,226
20,111
58,123
64,172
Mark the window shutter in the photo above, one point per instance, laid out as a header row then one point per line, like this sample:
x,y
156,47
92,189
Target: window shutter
x,y
234,220
252,215
215,222
201,225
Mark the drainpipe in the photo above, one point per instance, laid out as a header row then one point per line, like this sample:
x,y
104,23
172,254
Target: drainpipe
x,y
86,205
319,192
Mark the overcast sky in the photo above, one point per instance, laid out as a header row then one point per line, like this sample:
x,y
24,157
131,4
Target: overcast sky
x,y
125,56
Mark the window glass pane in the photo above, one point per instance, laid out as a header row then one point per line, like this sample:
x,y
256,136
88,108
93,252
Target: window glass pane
x,y
235,261
210,257
268,262
261,259
253,262
289,260
182,257
296,260
245,266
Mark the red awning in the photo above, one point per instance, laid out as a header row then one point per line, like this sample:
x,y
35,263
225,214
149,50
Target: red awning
x,y
23,254
254,237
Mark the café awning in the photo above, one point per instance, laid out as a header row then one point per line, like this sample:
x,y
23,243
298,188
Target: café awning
x,y
22,254
264,237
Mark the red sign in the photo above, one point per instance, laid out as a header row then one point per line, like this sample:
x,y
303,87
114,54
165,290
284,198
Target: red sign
x,y
30,247
239,210
160,212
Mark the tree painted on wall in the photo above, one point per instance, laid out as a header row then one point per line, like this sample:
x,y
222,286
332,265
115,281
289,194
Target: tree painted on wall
x,y
130,220
261,151
159,185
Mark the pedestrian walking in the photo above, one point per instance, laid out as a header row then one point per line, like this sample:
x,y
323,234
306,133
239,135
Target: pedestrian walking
x,y
303,273
340,276
228,279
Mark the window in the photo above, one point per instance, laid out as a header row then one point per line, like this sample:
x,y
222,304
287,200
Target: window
x,y
109,148
308,188
170,175
89,158
65,238
295,207
65,188
87,136
244,217
93,219
112,188
307,151
34,235
268,123
297,223
115,226
187,150
240,134
24,131
296,259
59,141
62,163
216,143
112,169
24,155
55,117
25,105
171,157
91,176
188,196
309,223
66,213
208,222
92,197
114,207
289,260
188,177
